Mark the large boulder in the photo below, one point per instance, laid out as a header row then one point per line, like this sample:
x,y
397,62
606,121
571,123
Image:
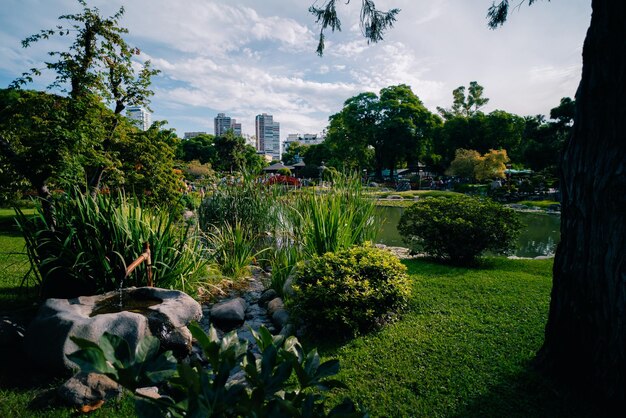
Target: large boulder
x,y
146,311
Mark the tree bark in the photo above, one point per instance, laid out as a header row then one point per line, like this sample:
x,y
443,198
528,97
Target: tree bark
x,y
585,339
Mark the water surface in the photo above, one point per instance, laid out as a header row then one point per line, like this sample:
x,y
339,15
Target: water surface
x,y
539,236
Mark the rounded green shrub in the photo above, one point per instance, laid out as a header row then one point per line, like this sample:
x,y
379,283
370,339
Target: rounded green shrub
x,y
349,292
459,228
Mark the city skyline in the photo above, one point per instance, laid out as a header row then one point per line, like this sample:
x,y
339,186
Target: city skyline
x,y
242,58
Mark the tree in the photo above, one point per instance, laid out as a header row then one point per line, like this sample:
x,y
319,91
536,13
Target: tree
x,y
491,165
35,139
147,164
465,106
586,331
405,126
374,23
544,141
464,163
97,67
197,148
293,153
395,126
352,133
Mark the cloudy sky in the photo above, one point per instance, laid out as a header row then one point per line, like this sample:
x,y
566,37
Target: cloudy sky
x,y
245,57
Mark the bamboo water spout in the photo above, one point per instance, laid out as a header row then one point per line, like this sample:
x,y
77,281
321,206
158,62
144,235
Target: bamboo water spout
x,y
145,256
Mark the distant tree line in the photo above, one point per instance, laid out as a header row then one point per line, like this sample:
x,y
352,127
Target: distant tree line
x,y
393,129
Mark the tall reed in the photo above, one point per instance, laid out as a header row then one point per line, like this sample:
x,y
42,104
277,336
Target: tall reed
x,y
87,249
329,220
244,201
233,248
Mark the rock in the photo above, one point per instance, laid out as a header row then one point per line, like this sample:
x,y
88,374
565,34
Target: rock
x,y
555,207
266,296
229,314
59,319
394,197
274,305
151,392
280,318
87,388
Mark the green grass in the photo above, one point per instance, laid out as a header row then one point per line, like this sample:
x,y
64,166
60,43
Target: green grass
x,y
542,204
463,349
25,391
408,197
13,263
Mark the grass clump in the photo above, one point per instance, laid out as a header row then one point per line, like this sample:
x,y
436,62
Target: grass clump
x,y
92,240
541,204
334,219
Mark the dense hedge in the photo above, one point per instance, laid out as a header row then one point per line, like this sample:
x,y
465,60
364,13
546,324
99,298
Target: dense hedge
x,y
460,228
349,292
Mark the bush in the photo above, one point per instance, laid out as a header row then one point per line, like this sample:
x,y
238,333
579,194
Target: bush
x,y
349,292
459,228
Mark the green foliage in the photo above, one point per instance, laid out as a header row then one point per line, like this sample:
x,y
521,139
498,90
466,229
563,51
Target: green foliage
x,y
147,164
232,247
244,201
465,106
464,163
373,22
295,150
332,219
285,381
388,129
95,237
459,228
283,259
197,148
349,292
36,140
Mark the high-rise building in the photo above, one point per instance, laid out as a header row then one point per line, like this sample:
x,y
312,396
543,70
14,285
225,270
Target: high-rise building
x,y
189,135
223,123
268,135
306,139
139,116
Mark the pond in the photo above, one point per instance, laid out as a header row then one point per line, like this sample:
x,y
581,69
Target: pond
x,y
540,235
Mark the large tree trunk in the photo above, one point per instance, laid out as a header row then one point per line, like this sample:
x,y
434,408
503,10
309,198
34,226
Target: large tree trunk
x,y
585,339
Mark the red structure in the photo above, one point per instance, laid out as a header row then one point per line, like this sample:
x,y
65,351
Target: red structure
x,y
288,180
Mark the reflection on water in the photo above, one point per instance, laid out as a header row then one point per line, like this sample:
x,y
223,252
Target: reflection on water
x,y
539,237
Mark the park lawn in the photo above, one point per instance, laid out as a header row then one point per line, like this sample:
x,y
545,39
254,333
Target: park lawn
x,y
541,204
464,347
13,262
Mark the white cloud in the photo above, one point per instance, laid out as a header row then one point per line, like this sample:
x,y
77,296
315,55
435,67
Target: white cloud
x,y
249,57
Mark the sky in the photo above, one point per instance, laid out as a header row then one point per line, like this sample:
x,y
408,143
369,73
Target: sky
x,y
246,57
